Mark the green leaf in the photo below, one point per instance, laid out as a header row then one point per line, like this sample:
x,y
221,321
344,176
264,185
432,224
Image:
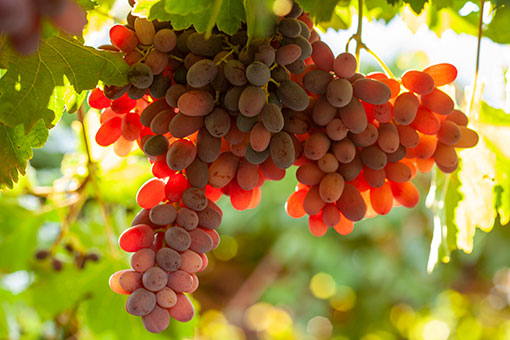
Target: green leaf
x,y
319,10
416,5
380,9
442,199
87,4
16,149
28,84
231,16
260,19
187,7
340,20
498,30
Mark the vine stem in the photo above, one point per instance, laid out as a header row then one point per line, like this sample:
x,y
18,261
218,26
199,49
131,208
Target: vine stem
x,y
361,45
91,166
478,48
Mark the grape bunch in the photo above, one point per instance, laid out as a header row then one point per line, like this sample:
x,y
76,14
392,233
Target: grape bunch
x,y
218,116
22,20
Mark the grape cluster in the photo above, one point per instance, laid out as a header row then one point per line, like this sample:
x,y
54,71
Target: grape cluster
x,y
368,136
218,116
21,20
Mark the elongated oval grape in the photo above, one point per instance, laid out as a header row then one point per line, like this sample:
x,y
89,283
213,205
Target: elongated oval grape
x,y
317,81
208,147
136,238
183,310
271,171
154,279
316,226
152,111
113,282
217,122
145,31
331,187
247,175
322,56
405,194
289,27
381,199
297,67
201,241
303,43
235,72
292,95
109,132
157,61
353,116
323,112
131,126
336,129
251,101
177,238
194,199
195,103
339,92
166,298
140,75
313,202
210,217
180,154
282,150
135,93
458,117
272,118
418,82
426,146
442,74
255,157
316,146
150,193
182,125
168,259
165,40
288,54
295,122
426,121
344,151
398,172
371,91
191,262
123,38
258,73
388,139
157,320
246,124
408,136
445,155
187,218
367,137
223,169
398,154
201,73
143,259
156,145
405,108
180,281
161,122
449,133
141,302
265,54
374,178
351,204
345,65
468,139
162,214
173,93
309,174
208,47
259,137
438,101
373,157
197,173
130,280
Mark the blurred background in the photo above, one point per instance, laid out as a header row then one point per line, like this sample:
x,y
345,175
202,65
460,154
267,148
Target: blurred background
x,y
269,278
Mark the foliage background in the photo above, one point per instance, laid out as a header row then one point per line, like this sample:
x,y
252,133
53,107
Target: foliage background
x,y
269,279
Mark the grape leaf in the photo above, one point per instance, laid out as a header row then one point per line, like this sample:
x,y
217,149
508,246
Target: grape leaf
x,y
231,16
16,149
260,18
416,5
320,11
28,84
87,4
498,30
187,7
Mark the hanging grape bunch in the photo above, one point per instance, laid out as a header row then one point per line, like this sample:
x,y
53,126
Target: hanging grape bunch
x,y
218,116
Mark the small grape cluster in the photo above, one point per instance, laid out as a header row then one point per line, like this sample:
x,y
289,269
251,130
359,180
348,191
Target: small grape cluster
x,y
21,20
219,116
367,138
80,258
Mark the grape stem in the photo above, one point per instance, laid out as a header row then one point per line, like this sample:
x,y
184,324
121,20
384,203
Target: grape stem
x,y
176,58
91,166
478,48
224,58
361,45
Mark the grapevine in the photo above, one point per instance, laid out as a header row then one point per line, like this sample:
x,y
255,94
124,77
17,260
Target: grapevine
x,y
221,115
